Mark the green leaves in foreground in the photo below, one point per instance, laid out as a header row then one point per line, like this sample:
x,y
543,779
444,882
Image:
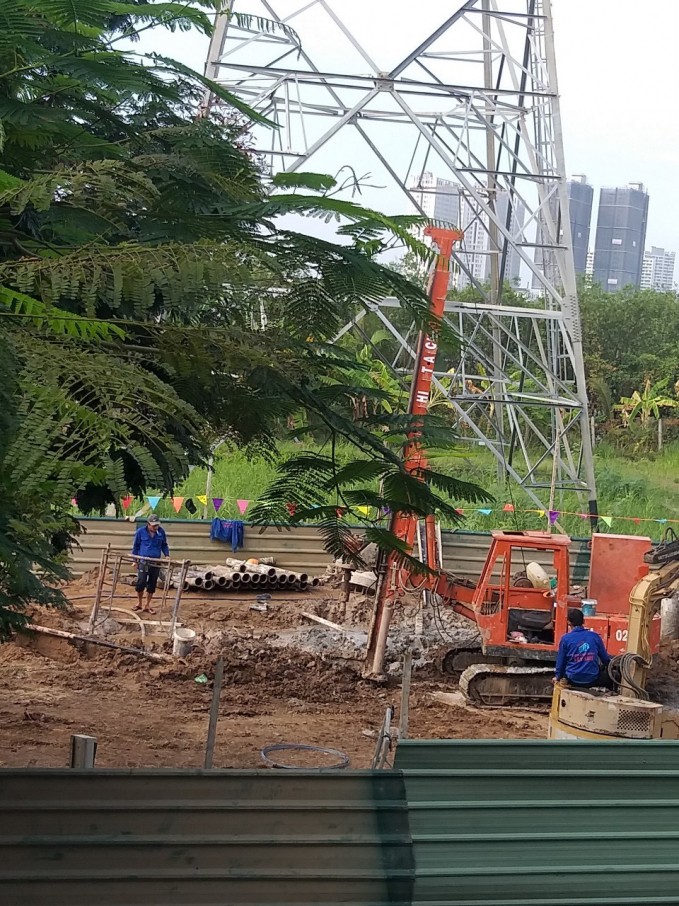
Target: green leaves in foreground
x,y
316,488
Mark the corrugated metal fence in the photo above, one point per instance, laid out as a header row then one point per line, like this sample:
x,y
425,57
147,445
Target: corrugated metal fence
x,y
299,548
458,823
512,823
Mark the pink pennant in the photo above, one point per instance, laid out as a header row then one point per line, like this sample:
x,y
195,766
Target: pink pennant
x,y
126,501
508,508
291,508
74,502
553,516
217,502
636,521
177,503
459,512
340,512
243,505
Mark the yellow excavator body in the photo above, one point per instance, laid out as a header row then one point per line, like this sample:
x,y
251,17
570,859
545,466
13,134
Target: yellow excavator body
x,y
578,714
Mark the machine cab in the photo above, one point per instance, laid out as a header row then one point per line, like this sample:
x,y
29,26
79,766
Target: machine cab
x,y
523,596
524,577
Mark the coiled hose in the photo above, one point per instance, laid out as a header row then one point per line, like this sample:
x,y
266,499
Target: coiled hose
x,y
622,666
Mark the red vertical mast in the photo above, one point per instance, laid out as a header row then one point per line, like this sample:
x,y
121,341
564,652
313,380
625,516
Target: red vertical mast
x,y
404,525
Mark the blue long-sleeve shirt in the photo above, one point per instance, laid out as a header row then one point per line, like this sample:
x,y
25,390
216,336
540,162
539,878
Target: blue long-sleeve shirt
x,y
580,651
148,545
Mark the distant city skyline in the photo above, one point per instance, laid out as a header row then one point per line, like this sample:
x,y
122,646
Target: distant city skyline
x,y
618,257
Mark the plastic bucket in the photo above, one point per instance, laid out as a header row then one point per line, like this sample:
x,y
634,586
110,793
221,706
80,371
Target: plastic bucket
x,y
183,642
589,608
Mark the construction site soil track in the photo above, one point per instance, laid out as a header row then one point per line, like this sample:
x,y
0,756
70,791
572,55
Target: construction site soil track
x,y
286,679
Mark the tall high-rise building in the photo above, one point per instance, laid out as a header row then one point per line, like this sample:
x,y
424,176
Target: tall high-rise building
x,y
620,237
441,199
657,271
580,199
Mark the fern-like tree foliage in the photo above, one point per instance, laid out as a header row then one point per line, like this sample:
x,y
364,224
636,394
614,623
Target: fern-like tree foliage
x,y
150,300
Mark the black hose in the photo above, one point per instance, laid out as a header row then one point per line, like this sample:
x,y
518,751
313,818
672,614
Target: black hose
x,y
342,759
622,664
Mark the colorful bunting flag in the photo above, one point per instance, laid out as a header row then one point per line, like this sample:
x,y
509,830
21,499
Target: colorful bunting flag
x,y
190,506
508,508
661,521
363,510
201,498
217,502
636,521
126,501
607,520
340,512
291,508
243,505
485,511
386,511
553,516
74,502
459,512
153,500
541,514
177,503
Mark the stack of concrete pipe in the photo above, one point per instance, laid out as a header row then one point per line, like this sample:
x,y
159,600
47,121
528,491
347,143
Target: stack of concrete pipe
x,y
238,575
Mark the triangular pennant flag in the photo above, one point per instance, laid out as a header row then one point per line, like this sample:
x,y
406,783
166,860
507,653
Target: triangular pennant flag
x,y
201,498
153,501
340,512
291,508
661,521
217,502
126,501
363,510
485,511
74,502
508,508
607,520
243,505
636,520
459,512
190,506
386,511
177,503
553,516
541,514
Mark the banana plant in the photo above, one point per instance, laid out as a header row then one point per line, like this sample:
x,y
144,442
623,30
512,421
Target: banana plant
x,y
645,404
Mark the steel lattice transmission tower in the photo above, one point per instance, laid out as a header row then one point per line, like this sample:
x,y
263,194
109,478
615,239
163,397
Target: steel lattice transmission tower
x,y
466,122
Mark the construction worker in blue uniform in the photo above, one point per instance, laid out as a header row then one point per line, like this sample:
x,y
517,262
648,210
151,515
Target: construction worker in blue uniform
x,y
150,541
582,659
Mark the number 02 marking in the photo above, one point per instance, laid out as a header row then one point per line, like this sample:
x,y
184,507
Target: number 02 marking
x,y
620,635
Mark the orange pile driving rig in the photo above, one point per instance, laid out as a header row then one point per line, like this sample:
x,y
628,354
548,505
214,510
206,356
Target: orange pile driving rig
x,y
521,601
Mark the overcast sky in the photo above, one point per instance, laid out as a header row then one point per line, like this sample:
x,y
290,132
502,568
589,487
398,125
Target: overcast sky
x,y
618,76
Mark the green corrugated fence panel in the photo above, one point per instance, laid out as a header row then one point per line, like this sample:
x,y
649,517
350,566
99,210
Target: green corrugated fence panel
x,y
563,755
165,838
458,823
522,823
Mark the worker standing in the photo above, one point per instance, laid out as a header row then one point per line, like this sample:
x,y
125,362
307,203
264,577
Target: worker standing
x,y
150,541
582,657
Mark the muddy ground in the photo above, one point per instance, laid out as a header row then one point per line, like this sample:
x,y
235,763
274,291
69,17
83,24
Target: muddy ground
x,y
286,679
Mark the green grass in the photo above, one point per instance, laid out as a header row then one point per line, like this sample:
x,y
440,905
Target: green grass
x,y
644,488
